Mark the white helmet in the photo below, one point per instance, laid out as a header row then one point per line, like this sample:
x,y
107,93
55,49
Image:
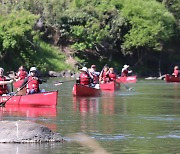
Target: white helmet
x,y
33,69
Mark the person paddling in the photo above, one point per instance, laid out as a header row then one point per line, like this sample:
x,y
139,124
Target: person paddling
x,y
94,74
104,76
176,72
112,74
85,78
21,74
125,71
3,83
33,82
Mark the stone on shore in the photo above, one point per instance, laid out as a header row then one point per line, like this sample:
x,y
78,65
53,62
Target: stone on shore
x,y
26,132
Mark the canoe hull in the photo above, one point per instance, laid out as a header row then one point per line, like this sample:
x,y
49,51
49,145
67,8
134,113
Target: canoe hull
x,y
80,90
170,78
128,79
38,99
111,86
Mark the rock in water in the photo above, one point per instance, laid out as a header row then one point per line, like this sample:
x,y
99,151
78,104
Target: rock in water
x,y
26,132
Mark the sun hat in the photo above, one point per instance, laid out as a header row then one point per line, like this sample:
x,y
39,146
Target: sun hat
x,y
126,66
33,69
84,69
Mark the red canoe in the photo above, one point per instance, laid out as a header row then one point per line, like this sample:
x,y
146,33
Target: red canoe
x,y
128,79
171,78
80,90
38,99
112,86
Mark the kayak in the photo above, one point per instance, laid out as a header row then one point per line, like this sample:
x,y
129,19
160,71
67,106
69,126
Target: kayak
x,y
81,90
126,79
37,99
171,78
112,86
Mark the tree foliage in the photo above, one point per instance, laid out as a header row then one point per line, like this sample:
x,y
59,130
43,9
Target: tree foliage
x,y
104,26
150,24
20,43
16,31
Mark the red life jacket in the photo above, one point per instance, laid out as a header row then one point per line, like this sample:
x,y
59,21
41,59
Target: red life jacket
x,y
124,73
84,79
22,74
112,76
33,84
3,88
176,73
105,77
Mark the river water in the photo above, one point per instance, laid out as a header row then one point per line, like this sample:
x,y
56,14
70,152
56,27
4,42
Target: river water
x,y
143,120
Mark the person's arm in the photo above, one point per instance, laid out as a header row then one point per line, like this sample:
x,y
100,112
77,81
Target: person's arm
x,y
129,71
40,81
6,82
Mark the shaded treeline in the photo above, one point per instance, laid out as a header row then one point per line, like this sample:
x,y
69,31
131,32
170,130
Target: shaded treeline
x,y
142,33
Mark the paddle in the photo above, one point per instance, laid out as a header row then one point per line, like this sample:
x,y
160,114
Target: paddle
x,y
44,80
127,87
2,104
61,82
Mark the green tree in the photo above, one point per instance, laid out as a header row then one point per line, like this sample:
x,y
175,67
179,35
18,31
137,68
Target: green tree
x,y
16,32
150,24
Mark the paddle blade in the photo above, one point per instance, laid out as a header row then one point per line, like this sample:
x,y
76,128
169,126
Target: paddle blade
x,y
2,104
130,89
58,84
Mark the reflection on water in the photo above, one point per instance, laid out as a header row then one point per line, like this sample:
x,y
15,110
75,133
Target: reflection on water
x,y
29,113
108,103
43,148
86,104
92,104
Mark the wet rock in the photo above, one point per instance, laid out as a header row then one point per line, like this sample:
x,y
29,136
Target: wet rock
x,y
26,132
151,78
54,74
65,73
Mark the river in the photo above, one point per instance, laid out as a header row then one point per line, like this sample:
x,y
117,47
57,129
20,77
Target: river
x,y
145,119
